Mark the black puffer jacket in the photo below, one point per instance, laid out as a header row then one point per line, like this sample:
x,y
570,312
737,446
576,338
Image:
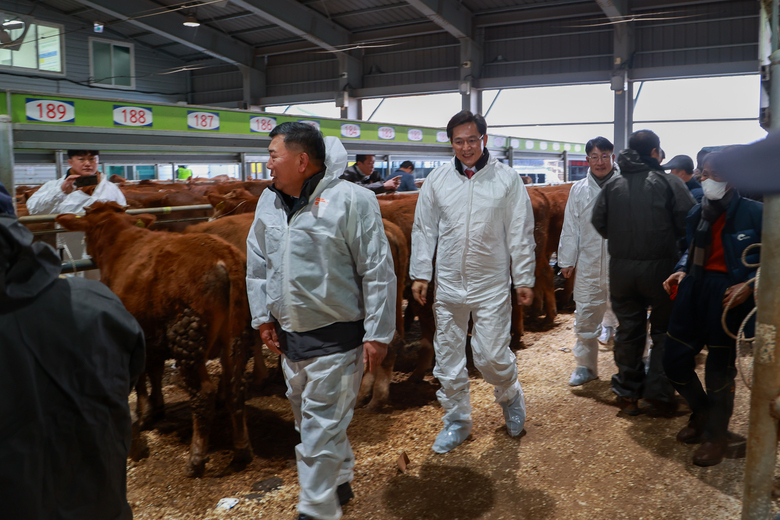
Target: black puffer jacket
x,y
642,212
69,355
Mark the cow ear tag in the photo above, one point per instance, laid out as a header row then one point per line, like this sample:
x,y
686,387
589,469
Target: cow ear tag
x,y
140,223
220,205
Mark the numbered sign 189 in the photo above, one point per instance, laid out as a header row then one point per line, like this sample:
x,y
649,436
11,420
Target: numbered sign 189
x,y
50,110
202,120
132,116
415,134
262,124
350,130
386,132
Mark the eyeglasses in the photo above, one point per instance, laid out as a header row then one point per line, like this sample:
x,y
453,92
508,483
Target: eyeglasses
x,y
472,142
597,158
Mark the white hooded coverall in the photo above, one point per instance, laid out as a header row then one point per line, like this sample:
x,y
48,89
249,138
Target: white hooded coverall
x,y
50,199
331,263
582,247
483,229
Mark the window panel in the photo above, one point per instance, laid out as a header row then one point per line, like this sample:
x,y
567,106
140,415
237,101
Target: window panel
x,y
122,66
27,55
101,63
49,51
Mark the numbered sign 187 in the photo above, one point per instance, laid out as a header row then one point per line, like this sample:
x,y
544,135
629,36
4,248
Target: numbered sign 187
x,y
132,116
198,120
350,130
262,124
50,110
415,134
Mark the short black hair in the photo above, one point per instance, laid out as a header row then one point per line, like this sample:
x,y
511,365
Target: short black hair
x,y
602,143
407,164
464,117
362,158
709,157
304,136
74,153
644,142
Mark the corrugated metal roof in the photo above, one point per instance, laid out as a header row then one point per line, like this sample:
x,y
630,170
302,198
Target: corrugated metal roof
x,y
398,45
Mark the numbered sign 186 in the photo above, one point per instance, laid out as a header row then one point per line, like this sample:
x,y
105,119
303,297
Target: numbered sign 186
x,y
202,120
350,130
386,132
50,110
132,116
415,134
262,124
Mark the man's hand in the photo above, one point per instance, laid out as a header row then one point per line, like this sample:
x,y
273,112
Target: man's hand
x,y
567,271
525,295
420,291
268,335
673,280
374,353
67,184
744,291
392,184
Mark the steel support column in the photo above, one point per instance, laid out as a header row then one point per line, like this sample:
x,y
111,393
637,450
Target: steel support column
x,y
7,155
763,431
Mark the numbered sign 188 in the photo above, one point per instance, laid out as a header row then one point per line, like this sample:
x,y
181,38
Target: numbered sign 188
x,y
415,134
262,124
350,130
50,110
202,120
386,132
132,116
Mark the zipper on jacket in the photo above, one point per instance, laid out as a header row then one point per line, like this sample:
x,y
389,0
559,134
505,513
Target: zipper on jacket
x,y
287,288
468,233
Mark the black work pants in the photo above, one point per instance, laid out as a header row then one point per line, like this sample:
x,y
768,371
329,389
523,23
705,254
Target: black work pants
x,y
696,322
635,286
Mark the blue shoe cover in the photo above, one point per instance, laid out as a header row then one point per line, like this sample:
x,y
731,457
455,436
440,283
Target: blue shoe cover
x,y
581,375
514,414
452,436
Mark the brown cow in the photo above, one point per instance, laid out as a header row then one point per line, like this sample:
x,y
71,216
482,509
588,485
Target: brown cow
x,y
188,293
234,229
234,202
377,386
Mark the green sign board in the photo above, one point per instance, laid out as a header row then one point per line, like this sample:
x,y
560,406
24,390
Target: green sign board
x,y
141,117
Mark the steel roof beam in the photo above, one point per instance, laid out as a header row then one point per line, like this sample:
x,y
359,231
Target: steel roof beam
x,y
614,9
299,20
447,14
169,25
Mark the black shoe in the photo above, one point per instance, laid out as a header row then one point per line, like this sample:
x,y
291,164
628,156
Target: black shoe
x,y
655,408
344,492
302,516
629,406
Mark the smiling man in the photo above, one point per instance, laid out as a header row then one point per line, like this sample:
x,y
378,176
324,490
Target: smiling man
x,y
475,214
67,195
322,293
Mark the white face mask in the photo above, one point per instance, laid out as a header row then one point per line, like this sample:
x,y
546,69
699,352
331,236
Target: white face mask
x,y
713,189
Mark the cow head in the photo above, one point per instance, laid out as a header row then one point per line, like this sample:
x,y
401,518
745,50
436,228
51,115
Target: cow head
x,y
231,203
100,216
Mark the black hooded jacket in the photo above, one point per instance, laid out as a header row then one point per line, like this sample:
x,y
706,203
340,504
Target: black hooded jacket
x,y
69,355
642,211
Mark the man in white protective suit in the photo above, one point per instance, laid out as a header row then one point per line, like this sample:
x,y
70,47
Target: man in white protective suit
x,y
475,215
581,247
67,195
322,293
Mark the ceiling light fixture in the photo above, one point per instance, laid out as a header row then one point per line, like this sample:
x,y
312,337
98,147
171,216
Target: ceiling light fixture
x,y
190,21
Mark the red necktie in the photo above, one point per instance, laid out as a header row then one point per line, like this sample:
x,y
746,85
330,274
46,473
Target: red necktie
x,y
469,173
